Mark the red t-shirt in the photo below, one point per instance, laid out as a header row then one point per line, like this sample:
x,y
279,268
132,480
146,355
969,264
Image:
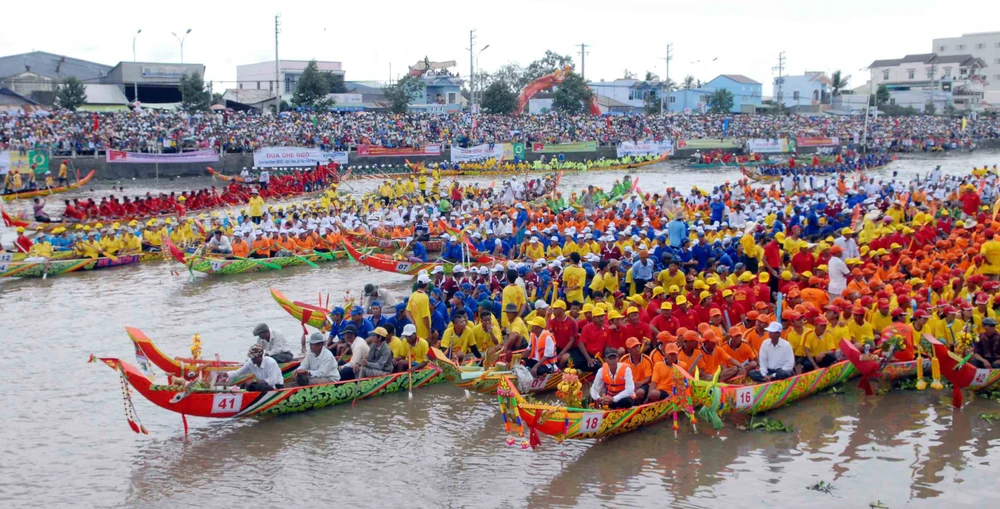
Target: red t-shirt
x,y
563,330
594,338
665,324
772,254
970,203
803,262
638,330
617,337
689,319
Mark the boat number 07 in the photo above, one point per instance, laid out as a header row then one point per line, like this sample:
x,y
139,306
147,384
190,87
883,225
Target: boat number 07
x,y
539,383
591,422
224,403
744,397
403,266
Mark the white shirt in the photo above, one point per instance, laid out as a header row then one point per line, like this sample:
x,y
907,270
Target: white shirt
x,y
359,350
597,388
277,344
323,365
838,276
268,372
850,247
773,357
221,244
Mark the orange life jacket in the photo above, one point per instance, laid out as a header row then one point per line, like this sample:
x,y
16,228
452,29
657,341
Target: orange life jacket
x,y
615,385
537,347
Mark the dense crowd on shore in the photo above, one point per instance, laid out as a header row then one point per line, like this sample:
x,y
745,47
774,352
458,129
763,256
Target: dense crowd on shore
x,y
65,132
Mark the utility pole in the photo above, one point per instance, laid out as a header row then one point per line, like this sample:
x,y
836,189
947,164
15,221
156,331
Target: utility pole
x,y
666,78
472,76
583,61
781,80
277,73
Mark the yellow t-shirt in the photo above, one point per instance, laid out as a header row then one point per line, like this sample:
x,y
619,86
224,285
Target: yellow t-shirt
x,y
798,341
597,284
666,280
416,353
485,340
396,347
256,206
816,345
513,294
861,334
574,276
610,283
420,307
519,327
458,342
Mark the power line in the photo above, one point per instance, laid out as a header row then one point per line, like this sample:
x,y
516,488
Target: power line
x,y
583,60
781,80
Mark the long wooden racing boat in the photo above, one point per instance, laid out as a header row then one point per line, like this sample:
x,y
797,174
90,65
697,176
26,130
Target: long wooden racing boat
x,y
394,244
26,195
873,369
60,267
187,369
307,314
222,403
734,165
755,175
486,380
226,178
225,266
960,373
389,264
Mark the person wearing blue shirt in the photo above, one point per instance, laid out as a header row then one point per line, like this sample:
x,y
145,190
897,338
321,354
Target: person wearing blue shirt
x,y
419,252
700,253
717,209
437,321
358,320
337,322
377,319
677,230
399,320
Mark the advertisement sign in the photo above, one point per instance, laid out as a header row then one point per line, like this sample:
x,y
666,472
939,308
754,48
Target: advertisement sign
x,y
812,141
477,153
516,150
555,148
426,150
22,162
768,145
645,148
270,157
197,156
705,144
163,71
4,162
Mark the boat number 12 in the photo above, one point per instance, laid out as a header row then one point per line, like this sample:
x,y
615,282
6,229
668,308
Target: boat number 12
x,y
744,397
224,403
591,422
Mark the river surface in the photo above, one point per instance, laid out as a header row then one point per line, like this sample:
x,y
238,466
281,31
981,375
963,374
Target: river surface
x,y
66,442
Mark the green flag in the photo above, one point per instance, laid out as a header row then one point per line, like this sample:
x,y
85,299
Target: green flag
x,y
40,160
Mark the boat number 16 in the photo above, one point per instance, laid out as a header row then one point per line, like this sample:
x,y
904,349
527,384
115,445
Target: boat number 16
x,y
744,397
224,403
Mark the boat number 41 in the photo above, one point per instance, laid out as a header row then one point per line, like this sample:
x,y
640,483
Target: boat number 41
x,y
226,403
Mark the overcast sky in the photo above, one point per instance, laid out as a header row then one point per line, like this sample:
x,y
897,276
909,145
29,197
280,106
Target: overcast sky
x,y
743,37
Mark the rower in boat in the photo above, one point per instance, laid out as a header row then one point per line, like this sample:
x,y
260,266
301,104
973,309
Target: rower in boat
x,y
414,350
219,244
379,360
373,294
273,342
986,351
666,375
614,385
776,358
458,340
356,345
265,370
319,365
641,367
542,358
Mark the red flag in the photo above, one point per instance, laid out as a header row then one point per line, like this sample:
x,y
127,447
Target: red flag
x,y
97,123
607,121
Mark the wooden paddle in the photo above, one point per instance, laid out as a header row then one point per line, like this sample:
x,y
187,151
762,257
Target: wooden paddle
x,y
260,262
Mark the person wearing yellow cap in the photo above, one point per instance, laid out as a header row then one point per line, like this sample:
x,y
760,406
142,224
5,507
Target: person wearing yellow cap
x,y
542,354
593,341
616,332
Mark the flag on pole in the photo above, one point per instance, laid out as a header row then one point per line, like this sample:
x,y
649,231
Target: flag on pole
x,y
964,122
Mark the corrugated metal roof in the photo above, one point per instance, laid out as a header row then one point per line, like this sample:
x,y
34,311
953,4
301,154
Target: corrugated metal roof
x,y
739,78
248,95
52,66
105,94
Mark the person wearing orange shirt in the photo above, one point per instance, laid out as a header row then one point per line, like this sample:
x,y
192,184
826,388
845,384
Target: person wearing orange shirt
x,y
815,293
717,359
740,351
693,356
642,368
305,242
240,247
667,374
286,243
261,247
757,335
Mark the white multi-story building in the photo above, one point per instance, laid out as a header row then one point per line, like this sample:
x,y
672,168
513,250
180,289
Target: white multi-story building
x,y
982,45
260,76
916,80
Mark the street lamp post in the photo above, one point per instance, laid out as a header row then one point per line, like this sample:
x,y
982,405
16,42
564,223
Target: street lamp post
x,y
477,70
135,84
181,40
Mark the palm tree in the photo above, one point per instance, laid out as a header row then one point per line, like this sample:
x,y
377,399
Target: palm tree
x,y
688,82
838,82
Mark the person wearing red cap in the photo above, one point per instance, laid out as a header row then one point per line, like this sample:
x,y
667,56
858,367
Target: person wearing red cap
x,y
982,311
900,328
951,328
667,374
739,350
921,323
861,331
641,366
820,345
758,334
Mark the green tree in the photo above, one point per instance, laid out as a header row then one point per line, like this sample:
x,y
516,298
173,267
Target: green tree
x,y
402,92
949,109
881,95
720,101
71,95
573,95
652,103
311,88
499,98
838,82
688,82
195,96
629,75
930,109
335,82
651,76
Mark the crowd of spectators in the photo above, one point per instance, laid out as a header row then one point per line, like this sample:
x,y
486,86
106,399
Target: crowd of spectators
x,y
65,132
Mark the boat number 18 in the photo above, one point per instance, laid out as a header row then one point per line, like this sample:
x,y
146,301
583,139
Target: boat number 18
x,y
224,403
591,422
